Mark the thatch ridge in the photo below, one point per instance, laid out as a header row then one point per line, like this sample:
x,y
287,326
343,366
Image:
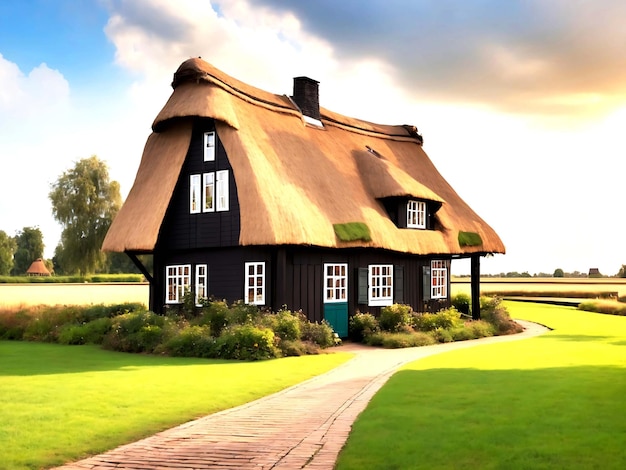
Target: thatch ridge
x,y
196,72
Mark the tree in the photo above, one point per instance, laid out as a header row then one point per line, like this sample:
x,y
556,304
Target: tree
x,y
558,273
84,202
622,271
7,251
29,247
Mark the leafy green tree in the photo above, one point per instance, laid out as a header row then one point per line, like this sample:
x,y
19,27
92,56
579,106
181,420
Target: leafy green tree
x,y
58,261
558,273
7,251
118,263
29,247
84,202
622,271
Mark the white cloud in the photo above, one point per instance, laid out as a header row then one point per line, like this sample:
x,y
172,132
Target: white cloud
x,y
33,112
42,90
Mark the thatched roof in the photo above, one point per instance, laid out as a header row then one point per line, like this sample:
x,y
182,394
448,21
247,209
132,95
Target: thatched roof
x,y
38,268
294,180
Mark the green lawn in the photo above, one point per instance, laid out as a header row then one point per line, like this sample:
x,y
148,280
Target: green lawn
x,y
60,403
557,401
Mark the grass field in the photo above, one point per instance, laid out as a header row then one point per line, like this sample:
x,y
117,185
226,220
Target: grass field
x,y
60,403
551,402
14,295
491,284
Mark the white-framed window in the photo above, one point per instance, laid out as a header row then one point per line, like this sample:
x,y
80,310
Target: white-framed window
x,y
254,291
438,279
177,279
195,196
201,282
209,146
221,190
208,193
380,285
335,282
416,214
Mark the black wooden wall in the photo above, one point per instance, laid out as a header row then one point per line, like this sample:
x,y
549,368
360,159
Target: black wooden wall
x,y
305,277
182,230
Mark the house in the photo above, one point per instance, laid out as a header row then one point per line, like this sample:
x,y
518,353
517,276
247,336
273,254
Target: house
x,y
245,194
38,268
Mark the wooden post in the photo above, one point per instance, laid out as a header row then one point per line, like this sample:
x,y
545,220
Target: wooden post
x,y
475,272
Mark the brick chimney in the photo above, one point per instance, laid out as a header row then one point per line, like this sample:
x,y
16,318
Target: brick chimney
x,y
306,96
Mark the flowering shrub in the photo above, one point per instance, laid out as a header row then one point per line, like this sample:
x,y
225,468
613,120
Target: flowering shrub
x,y
137,332
247,342
492,311
362,325
395,317
446,319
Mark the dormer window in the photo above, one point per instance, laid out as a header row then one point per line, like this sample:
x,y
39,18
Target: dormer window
x,y
412,214
209,146
416,214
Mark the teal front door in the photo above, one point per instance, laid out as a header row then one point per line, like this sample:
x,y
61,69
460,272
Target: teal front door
x,y
336,297
337,315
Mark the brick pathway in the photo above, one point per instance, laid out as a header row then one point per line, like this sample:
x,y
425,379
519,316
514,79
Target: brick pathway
x,y
304,426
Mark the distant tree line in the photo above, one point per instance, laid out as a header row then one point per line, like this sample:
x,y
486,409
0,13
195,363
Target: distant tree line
x,y
84,201
592,273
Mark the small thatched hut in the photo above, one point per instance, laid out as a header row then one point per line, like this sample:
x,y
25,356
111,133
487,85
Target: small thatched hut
x,y
38,268
244,194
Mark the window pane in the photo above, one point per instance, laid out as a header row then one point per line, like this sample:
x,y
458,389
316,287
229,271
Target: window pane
x,y
335,281
209,192
416,214
221,190
381,285
194,194
255,283
209,146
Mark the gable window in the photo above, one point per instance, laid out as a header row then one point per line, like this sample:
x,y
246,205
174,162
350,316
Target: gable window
x,y
209,146
335,282
208,192
208,182
178,280
380,285
194,194
416,214
254,291
438,279
222,190
201,282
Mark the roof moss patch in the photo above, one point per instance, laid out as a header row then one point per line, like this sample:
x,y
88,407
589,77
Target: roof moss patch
x,y
469,239
352,231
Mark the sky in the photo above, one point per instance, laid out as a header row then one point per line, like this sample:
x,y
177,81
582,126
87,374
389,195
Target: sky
x,y
522,104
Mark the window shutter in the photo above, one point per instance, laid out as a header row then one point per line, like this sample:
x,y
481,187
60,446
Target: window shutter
x,y
362,283
426,287
398,284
